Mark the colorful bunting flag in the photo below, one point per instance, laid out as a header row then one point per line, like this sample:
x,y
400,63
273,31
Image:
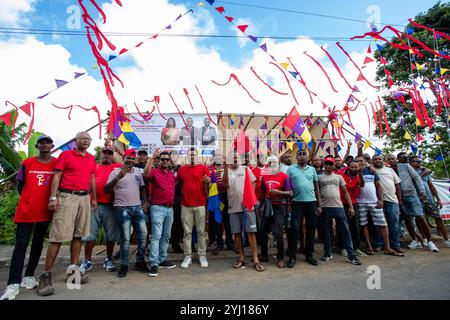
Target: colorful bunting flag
x,y
290,145
60,83
407,136
440,157
367,144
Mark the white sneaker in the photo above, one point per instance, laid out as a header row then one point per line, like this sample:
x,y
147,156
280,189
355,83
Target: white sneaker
x,y
344,253
29,283
446,243
187,261
432,246
414,245
360,253
11,292
425,242
203,262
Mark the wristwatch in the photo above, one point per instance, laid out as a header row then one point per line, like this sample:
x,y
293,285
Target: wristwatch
x,y
52,198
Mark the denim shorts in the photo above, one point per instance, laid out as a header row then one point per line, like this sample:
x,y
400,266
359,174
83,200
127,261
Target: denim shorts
x,y
104,216
412,206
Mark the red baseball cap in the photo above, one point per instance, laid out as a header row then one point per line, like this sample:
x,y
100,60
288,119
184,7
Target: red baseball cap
x,y
130,153
329,159
107,149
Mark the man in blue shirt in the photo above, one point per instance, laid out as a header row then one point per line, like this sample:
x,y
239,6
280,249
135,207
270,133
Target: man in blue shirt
x,y
306,202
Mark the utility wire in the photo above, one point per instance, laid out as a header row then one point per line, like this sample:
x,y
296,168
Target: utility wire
x,y
310,13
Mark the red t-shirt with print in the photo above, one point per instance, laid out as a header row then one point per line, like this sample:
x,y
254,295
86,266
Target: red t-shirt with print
x,y
37,178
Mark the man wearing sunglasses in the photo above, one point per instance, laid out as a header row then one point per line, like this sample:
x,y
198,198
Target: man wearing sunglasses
x,y
162,181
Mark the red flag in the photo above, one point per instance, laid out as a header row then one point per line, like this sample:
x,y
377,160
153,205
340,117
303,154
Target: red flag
x,y
291,119
220,9
6,118
249,197
243,27
26,108
360,77
229,18
368,60
420,138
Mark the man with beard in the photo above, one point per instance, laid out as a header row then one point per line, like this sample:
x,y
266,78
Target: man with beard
x,y
392,194
330,185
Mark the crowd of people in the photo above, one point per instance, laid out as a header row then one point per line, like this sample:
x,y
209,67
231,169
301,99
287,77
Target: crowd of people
x,y
156,201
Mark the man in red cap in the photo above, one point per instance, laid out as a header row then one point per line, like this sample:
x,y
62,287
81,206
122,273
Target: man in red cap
x,y
330,184
103,215
128,186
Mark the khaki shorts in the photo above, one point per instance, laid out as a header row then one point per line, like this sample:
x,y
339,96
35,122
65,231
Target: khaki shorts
x,y
72,220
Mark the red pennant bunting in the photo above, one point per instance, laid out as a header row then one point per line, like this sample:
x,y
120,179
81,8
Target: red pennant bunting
x,y
368,60
229,18
243,27
220,9
26,108
369,50
420,138
383,60
360,77
123,51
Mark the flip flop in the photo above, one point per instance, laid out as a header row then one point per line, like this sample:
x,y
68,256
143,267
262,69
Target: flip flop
x,y
259,267
239,264
394,253
369,252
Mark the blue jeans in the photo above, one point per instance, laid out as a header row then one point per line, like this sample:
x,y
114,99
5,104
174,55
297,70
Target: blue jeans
x,y
392,214
127,216
162,219
342,226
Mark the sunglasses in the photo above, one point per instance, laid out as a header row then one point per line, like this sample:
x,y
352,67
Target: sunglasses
x,y
164,159
329,163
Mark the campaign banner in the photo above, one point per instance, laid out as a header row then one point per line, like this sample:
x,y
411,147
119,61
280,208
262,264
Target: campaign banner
x,y
443,188
171,133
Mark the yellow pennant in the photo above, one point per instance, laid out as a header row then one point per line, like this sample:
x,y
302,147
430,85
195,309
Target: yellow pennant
x,y
367,144
438,137
419,66
284,65
200,4
407,136
290,145
443,70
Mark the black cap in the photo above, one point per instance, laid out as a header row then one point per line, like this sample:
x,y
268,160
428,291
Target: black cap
x,y
142,151
42,138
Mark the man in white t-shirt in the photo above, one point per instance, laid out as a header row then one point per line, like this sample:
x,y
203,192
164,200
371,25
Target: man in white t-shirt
x,y
392,193
370,201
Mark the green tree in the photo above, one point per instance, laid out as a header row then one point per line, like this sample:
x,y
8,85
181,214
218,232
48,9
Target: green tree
x,y
399,65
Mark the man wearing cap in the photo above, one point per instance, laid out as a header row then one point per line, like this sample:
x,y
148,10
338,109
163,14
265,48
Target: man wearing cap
x,y
70,200
103,215
306,203
128,186
33,181
330,184
142,158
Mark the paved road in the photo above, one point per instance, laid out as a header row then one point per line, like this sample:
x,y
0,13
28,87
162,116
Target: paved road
x,y
419,275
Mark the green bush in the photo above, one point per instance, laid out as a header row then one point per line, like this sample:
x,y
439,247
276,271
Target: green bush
x,y
8,204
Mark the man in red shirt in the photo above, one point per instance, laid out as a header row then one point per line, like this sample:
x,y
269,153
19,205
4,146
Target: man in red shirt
x,y
162,181
103,215
70,201
195,180
354,181
275,188
33,181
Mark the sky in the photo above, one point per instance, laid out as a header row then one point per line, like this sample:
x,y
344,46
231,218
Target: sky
x,y
30,63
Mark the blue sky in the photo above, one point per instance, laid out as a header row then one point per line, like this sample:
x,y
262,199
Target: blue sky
x,y
52,14
169,65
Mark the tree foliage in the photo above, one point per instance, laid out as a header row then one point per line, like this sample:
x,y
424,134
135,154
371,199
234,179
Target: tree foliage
x,y
399,65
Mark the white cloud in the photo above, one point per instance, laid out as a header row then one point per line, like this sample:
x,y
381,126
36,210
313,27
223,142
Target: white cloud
x,y
12,11
169,64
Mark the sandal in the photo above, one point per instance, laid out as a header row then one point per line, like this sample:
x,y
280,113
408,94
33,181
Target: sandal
x,y
259,267
394,253
239,264
369,252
